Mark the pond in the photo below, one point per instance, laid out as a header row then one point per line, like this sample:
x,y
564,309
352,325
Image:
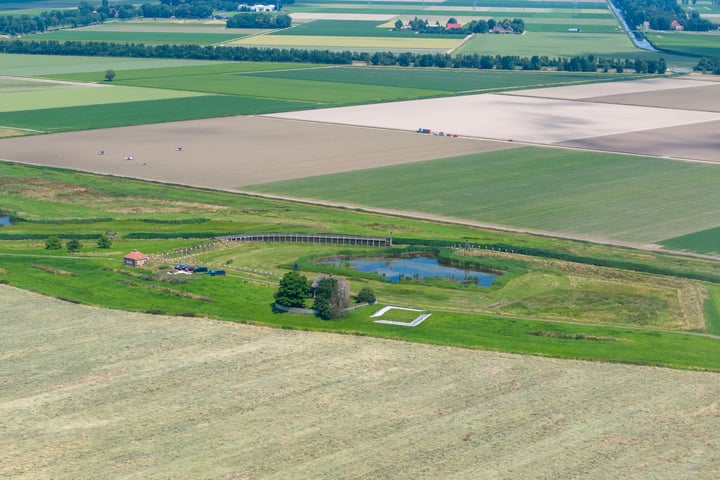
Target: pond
x,y
394,269
5,221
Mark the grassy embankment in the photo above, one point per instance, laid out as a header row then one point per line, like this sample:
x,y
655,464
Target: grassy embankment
x,y
68,204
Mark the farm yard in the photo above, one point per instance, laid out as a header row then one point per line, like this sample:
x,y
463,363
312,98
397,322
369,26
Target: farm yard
x,y
125,395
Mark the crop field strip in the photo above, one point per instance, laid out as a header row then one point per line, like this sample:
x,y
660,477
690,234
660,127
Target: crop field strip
x,y
634,199
54,96
137,37
704,44
301,41
38,65
705,241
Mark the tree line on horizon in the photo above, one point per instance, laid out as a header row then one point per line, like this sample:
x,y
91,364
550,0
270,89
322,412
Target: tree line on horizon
x,y
660,15
590,63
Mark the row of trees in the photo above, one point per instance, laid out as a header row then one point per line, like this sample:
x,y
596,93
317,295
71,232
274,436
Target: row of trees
x,y
660,14
516,25
86,14
589,63
329,300
259,20
709,65
74,245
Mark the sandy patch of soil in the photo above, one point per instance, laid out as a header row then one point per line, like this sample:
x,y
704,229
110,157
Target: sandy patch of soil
x,y
705,98
92,393
698,141
502,117
229,152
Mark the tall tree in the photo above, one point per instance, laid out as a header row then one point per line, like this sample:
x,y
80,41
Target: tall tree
x,y
294,289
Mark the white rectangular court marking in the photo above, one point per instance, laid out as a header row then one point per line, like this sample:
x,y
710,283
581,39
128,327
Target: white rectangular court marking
x,y
416,321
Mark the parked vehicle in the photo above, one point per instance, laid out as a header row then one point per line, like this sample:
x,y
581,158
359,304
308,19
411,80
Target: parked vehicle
x,y
215,272
201,269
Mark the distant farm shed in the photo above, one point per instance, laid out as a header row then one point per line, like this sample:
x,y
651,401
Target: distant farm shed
x,y
135,259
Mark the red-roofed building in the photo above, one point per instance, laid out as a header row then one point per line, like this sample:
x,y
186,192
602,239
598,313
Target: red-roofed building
x,y
453,26
675,25
135,259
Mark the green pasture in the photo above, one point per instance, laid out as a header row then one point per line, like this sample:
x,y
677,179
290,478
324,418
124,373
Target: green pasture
x,y
705,241
38,65
90,117
619,197
203,69
148,38
438,79
689,43
19,84
52,97
563,44
565,26
319,92
567,44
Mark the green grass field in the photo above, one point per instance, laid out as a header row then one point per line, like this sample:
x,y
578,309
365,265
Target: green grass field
x,y
615,196
38,65
448,80
566,44
54,96
705,241
89,117
690,43
234,299
538,288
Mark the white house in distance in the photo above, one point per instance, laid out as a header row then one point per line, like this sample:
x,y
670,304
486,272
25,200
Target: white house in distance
x,y
258,7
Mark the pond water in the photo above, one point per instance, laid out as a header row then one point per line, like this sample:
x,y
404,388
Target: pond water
x,y
5,221
422,267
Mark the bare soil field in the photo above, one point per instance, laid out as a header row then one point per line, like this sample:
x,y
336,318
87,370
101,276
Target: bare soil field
x,y
511,117
595,90
92,393
697,141
226,153
704,98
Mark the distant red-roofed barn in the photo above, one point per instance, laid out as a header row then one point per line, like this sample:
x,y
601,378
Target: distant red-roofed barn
x,y
135,259
453,26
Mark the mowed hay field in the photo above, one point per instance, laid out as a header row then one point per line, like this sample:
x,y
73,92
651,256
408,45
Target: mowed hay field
x,y
91,393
